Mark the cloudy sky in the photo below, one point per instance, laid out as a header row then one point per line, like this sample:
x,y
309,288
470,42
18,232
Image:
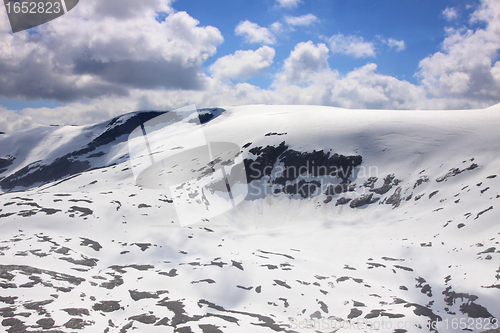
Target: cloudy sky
x,y
108,57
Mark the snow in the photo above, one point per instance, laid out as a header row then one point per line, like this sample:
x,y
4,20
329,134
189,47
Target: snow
x,y
275,262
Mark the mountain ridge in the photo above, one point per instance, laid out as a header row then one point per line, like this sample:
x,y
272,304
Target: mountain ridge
x,y
75,159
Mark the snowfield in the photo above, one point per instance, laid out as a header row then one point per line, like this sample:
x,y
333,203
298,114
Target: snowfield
x,y
403,237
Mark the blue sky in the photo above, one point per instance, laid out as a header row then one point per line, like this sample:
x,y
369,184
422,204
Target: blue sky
x,y
109,57
420,24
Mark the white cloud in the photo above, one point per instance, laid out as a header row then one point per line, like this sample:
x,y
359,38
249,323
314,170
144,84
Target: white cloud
x,y
289,4
303,20
243,64
364,88
464,68
489,12
305,59
306,78
253,33
276,28
398,45
111,51
450,13
351,45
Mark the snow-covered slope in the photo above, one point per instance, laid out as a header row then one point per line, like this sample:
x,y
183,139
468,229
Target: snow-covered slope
x,y
403,237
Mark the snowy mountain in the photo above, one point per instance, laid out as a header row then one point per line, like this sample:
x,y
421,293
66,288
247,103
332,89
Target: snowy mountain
x,y
354,221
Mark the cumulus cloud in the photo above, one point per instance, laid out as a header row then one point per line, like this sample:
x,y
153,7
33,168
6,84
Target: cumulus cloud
x,y
398,45
253,33
289,4
488,12
351,45
243,64
303,20
306,78
464,67
305,59
276,28
114,49
364,88
450,13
